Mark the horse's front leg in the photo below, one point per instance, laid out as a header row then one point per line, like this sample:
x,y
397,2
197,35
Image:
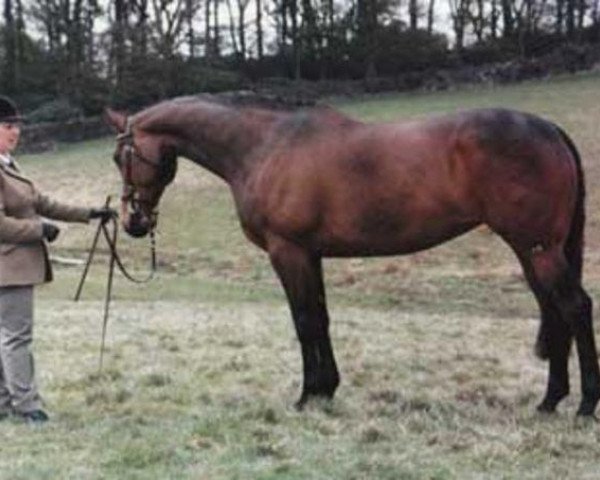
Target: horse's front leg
x,y
302,279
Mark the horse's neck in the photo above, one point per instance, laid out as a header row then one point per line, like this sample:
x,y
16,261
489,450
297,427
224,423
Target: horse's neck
x,y
217,138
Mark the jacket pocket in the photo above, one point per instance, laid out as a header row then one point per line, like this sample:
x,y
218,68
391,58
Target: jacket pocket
x,y
7,248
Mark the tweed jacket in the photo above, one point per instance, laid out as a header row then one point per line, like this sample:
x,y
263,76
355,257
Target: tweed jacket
x,y
23,251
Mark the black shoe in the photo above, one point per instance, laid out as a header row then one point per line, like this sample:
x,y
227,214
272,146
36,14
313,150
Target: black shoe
x,y
34,416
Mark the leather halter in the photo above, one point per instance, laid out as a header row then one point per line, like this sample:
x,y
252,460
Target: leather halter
x,y
130,150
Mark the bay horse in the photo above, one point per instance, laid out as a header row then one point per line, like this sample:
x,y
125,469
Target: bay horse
x,y
314,183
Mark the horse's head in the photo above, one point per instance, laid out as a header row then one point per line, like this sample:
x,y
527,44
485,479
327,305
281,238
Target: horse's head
x,y
147,164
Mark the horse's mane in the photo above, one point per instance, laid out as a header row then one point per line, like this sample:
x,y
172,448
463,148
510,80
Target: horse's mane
x,y
242,99
247,101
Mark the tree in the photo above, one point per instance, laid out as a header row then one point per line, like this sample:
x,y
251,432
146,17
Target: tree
x,y
259,30
459,13
413,12
10,62
430,16
238,33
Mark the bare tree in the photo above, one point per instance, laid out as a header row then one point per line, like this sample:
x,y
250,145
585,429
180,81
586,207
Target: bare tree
x,y
238,34
118,37
216,39
169,17
479,20
366,24
430,16
189,16
207,36
413,13
259,30
10,62
232,30
508,18
494,15
137,27
459,13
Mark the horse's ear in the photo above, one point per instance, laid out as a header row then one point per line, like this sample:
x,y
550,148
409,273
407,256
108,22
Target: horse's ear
x,y
116,120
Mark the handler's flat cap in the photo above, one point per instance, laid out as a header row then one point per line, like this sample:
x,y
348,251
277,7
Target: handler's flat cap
x,y
8,111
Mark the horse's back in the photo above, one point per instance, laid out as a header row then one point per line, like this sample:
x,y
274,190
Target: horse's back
x,y
347,188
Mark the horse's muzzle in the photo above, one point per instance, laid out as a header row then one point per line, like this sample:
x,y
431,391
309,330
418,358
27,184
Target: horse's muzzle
x,y
137,225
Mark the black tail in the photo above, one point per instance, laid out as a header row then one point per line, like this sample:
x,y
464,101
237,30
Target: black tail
x,y
575,242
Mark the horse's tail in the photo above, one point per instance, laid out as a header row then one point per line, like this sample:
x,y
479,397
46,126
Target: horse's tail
x,y
574,244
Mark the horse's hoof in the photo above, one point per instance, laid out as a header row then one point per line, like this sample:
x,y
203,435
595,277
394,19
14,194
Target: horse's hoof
x,y
586,420
546,408
588,404
313,398
301,403
587,411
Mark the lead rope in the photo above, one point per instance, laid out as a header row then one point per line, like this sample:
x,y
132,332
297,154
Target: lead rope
x,y
115,259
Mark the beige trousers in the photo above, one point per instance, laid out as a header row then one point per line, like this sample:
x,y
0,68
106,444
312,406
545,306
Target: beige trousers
x,y
18,389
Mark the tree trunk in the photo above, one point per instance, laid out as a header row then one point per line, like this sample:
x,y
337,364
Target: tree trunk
x,y
508,18
310,32
207,37
10,61
413,12
259,30
367,29
119,41
20,36
217,33
581,4
558,25
570,18
494,20
295,40
430,16
189,14
459,10
242,4
479,22
232,34
329,49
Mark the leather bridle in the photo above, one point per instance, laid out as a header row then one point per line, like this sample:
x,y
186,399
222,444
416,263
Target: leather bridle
x,y
130,151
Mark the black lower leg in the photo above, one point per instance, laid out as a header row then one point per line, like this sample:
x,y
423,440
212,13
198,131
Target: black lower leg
x,y
321,376
576,309
559,339
588,356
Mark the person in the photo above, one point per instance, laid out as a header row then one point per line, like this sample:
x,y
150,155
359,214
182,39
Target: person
x,y
24,263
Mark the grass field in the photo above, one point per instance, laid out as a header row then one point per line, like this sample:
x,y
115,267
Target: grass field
x,y
202,367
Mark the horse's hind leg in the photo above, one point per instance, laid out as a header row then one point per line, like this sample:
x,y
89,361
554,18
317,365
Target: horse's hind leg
x,y
554,340
302,278
566,295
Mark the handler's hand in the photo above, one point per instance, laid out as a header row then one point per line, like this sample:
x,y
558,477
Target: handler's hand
x,y
50,231
104,213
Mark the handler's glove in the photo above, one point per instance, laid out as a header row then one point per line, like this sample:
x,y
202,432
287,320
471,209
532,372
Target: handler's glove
x,y
104,213
50,231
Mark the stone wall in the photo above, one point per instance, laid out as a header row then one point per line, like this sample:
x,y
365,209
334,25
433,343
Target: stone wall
x,y
42,137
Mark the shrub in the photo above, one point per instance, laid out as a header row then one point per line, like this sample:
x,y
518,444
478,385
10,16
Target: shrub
x,y
55,111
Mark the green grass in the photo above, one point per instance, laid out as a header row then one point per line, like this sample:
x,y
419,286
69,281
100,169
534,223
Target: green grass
x,y
202,366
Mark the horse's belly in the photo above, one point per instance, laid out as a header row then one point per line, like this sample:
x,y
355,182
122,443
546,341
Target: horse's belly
x,y
382,242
